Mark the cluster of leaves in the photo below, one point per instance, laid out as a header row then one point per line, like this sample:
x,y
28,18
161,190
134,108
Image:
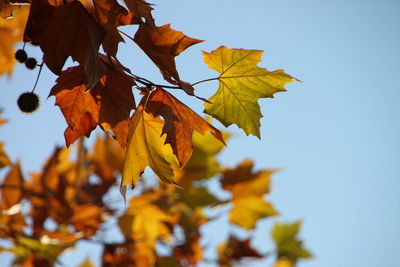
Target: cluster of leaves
x,y
99,90
73,197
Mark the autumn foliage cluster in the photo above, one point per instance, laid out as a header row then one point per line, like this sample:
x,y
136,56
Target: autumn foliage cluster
x,y
157,130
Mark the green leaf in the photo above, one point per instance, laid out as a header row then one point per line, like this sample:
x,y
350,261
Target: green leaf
x,y
241,84
287,244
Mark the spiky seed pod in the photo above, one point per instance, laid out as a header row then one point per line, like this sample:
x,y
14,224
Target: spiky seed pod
x,y
28,102
21,55
31,63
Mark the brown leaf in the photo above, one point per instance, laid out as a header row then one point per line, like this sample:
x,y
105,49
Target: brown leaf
x,y
141,9
110,15
6,10
236,249
180,122
108,104
162,45
57,29
4,160
12,188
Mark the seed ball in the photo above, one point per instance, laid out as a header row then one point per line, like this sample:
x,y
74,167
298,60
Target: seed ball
x,y
31,63
28,102
21,55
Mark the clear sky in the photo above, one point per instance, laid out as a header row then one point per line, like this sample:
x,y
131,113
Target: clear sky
x,y
337,133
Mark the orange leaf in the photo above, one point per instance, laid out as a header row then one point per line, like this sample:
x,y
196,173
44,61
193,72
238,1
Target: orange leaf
x,y
11,193
58,29
108,104
87,218
111,15
236,249
162,45
180,122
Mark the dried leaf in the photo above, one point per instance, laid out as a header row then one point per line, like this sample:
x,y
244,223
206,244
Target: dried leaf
x,y
108,104
162,45
87,219
180,122
110,15
57,29
241,84
141,9
4,160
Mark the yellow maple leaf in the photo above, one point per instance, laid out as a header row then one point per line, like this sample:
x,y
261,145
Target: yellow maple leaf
x,y
144,221
241,84
248,189
146,147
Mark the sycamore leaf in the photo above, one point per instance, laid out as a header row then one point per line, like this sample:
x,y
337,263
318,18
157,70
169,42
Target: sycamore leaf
x,y
241,84
87,219
110,16
162,45
145,221
287,243
4,160
108,104
203,163
146,147
141,9
12,190
57,29
180,122
283,263
247,190
128,254
236,249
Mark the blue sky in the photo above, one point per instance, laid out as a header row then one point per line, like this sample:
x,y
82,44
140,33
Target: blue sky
x,y
336,133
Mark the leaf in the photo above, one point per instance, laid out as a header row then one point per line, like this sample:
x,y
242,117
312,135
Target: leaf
x,y
87,263
146,147
203,163
241,84
141,9
11,31
128,254
247,190
288,245
236,249
6,10
12,188
162,45
283,263
87,219
145,221
180,122
4,160
108,104
111,15
57,29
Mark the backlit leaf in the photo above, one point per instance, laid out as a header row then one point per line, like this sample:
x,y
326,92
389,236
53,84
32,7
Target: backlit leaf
x,y
111,15
241,84
162,45
12,188
288,245
11,32
180,122
4,160
57,28
108,104
146,147
145,221
141,9
248,189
